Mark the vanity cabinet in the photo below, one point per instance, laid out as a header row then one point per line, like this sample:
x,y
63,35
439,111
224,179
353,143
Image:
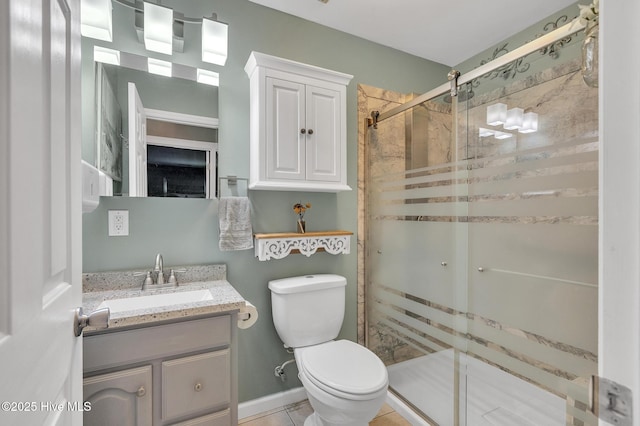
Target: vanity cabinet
x,y
181,373
298,126
122,397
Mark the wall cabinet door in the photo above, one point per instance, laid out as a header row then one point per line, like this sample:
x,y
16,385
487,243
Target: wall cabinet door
x,y
121,398
285,121
303,132
323,142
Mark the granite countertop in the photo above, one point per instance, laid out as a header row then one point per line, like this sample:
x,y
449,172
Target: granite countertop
x,y
98,287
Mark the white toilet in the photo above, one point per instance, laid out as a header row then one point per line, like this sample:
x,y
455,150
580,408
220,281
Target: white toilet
x,y
345,382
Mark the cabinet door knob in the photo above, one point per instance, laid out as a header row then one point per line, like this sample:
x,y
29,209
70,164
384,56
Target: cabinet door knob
x,y
141,391
310,131
198,387
303,131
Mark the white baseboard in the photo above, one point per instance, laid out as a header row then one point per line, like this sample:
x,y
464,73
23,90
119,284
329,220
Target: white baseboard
x,y
281,399
403,409
270,402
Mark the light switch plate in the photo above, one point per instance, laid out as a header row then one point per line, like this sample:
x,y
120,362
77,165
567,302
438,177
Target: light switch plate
x,y
118,223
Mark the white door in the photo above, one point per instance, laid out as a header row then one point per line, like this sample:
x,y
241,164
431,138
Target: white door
x,y
40,212
286,131
137,144
324,142
619,297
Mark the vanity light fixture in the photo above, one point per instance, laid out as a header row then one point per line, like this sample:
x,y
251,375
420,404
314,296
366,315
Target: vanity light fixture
x,y
105,55
159,67
496,114
208,77
158,28
514,119
96,20
529,123
214,41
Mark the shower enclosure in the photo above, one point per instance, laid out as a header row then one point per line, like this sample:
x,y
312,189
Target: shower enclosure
x,y
481,242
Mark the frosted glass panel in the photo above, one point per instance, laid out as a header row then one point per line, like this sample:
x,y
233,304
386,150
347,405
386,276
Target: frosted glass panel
x,y
481,264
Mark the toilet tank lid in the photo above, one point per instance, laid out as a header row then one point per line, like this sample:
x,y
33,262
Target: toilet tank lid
x,y
306,283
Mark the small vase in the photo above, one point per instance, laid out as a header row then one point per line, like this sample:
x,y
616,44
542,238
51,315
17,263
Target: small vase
x,y
301,226
590,54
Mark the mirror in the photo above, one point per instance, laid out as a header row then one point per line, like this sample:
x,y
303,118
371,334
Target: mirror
x,y
176,154
174,149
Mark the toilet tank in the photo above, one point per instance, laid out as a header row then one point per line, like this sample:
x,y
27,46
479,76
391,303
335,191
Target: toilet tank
x,y
309,309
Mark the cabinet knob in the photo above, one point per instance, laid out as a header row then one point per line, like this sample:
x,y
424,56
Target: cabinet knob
x,y
310,131
198,387
303,131
141,391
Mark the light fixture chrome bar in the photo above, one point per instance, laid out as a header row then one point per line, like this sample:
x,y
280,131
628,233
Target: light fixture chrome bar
x,y
537,44
178,16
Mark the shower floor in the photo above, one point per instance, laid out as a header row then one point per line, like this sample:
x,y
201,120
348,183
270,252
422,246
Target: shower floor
x,y
494,397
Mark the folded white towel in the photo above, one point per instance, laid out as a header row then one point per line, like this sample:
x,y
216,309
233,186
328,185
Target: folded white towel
x,y
234,214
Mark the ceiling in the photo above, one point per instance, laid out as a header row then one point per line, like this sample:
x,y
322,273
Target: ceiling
x,y
444,31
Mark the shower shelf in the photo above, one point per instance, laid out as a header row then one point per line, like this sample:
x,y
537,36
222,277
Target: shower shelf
x,y
279,245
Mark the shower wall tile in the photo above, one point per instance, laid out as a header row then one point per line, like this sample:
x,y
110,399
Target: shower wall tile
x,y
389,157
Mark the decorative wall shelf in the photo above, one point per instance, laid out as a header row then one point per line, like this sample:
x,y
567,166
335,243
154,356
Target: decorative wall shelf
x,y
279,245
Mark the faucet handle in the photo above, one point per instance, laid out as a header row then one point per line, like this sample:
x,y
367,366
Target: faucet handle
x,y
172,276
147,281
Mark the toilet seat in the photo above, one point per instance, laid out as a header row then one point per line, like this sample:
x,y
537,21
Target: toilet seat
x,y
344,368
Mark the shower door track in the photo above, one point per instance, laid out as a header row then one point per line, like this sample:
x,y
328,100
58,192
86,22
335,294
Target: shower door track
x,y
537,44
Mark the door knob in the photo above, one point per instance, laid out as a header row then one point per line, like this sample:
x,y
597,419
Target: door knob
x,y
98,319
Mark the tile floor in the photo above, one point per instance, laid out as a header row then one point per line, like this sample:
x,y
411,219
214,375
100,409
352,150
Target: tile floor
x,y
294,415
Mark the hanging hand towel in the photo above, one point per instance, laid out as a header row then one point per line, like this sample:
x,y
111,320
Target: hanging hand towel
x,y
234,214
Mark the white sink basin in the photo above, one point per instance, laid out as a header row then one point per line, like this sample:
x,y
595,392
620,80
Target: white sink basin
x,y
156,300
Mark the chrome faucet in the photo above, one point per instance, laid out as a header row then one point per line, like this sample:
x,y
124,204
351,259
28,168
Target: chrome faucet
x,y
159,269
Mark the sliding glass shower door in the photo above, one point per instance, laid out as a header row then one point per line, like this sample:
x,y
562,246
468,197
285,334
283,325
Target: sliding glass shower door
x,y
413,304
481,250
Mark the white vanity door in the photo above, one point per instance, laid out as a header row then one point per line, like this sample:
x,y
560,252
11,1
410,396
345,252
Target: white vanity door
x,y
40,212
137,144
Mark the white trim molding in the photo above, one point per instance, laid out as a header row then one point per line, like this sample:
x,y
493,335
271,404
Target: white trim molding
x,y
180,118
270,402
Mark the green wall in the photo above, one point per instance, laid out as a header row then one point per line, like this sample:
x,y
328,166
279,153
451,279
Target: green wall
x,y
186,231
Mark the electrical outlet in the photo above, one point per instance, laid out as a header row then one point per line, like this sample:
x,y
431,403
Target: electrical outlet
x,y
118,223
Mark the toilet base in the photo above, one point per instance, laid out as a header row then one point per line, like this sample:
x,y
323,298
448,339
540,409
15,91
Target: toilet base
x,y
315,420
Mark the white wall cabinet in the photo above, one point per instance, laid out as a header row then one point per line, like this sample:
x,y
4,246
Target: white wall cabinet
x,y
298,126
171,374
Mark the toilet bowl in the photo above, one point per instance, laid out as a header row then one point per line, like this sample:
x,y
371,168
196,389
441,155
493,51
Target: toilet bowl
x,y
345,382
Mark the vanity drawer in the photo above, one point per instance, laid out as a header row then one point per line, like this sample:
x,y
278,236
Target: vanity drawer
x,y
195,383
102,351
